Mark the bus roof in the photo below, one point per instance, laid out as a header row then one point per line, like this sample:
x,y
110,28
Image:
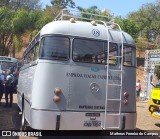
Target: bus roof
x,y
8,59
85,29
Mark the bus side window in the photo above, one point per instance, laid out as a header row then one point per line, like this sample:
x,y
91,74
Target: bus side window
x,y
26,59
30,57
128,54
36,51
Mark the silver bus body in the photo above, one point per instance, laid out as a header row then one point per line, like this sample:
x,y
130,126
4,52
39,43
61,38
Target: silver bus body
x,y
83,84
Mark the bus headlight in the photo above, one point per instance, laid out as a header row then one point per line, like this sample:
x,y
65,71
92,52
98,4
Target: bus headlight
x,y
56,99
57,91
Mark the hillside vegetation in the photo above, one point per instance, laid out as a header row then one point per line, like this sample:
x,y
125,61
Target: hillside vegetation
x,y
21,20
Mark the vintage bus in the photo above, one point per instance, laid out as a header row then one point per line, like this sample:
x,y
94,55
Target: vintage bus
x,y
79,74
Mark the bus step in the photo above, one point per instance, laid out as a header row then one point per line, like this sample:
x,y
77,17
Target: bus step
x,y
115,84
115,56
115,70
115,99
113,114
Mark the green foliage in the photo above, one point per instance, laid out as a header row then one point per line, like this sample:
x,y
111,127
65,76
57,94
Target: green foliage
x,y
32,34
148,19
4,3
6,30
16,18
38,19
6,16
21,21
142,43
94,10
15,5
63,3
129,26
18,43
19,17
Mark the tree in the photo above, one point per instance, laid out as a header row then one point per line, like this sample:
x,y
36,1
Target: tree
x,y
147,18
21,21
129,26
6,30
4,3
27,24
63,3
29,5
94,10
51,11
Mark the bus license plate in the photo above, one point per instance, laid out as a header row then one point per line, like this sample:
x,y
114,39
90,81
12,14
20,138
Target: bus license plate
x,y
92,123
157,113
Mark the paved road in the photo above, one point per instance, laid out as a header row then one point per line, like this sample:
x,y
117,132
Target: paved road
x,y
10,120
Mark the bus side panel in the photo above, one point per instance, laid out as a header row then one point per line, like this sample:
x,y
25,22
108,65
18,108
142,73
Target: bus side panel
x,y
129,85
75,83
24,89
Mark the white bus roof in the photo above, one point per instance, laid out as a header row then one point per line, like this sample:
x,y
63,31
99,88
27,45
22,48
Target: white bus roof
x,y
85,29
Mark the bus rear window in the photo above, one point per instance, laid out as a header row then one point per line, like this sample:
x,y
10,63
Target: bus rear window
x,y
93,51
55,48
128,56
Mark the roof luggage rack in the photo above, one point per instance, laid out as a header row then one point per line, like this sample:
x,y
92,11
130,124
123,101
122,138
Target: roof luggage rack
x,y
67,14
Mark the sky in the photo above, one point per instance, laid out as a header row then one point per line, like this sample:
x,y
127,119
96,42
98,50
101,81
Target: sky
x,y
117,7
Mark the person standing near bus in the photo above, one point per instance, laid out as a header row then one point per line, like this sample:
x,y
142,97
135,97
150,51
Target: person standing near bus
x,y
9,88
138,89
1,85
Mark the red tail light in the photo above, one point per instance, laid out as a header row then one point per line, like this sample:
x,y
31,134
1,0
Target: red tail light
x,y
125,102
56,99
126,94
57,91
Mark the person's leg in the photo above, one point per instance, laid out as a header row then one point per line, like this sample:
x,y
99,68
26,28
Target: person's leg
x,y
6,96
1,92
137,95
11,98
